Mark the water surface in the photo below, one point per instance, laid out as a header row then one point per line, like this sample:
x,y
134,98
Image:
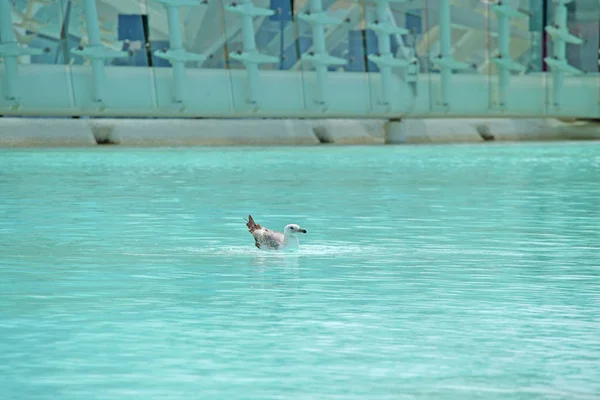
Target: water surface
x,y
428,272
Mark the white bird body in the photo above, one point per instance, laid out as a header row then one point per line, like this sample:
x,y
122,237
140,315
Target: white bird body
x,y
267,239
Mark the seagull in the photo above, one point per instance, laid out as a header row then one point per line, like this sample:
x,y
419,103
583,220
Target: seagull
x,y
272,240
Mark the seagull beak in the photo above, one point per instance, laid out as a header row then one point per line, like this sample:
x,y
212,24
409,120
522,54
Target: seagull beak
x,y
302,230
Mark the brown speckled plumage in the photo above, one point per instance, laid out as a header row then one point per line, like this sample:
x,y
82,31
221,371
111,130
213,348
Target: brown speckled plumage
x,y
263,237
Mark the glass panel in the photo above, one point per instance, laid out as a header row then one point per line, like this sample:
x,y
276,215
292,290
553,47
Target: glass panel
x,y
37,25
401,47
525,36
42,79
474,41
201,33
467,39
525,91
40,24
274,37
123,26
206,31
583,20
344,41
234,43
234,39
410,17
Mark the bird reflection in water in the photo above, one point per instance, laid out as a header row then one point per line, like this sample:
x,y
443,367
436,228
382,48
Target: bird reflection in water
x,y
287,260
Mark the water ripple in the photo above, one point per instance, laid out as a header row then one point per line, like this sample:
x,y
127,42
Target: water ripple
x,y
427,272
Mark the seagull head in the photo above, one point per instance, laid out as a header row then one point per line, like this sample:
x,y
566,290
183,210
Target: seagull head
x,y
293,229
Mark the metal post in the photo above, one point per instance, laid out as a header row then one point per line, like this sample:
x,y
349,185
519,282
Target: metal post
x,y
250,49
248,31
320,49
319,58
504,52
281,43
560,50
383,43
385,60
560,36
504,63
176,45
445,49
93,32
250,56
444,60
176,55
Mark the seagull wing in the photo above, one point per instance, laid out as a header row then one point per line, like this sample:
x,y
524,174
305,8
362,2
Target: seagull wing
x,y
268,239
263,237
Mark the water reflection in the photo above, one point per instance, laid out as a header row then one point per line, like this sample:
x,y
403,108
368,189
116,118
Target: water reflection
x,y
288,260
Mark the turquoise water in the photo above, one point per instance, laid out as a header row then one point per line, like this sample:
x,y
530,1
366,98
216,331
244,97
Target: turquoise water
x,y
431,272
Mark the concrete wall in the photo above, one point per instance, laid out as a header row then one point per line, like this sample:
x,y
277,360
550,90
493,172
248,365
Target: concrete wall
x,y
475,130
45,132
60,132
195,132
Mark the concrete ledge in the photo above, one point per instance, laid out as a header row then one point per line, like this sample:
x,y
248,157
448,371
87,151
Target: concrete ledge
x,y
45,132
190,132
56,132
457,130
431,131
339,131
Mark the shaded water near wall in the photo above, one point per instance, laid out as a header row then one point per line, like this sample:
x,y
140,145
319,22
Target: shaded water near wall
x,y
444,272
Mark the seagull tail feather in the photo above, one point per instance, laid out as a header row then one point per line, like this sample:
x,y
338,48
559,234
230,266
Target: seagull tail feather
x,y
252,226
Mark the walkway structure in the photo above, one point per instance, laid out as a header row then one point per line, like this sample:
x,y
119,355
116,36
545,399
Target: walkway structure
x,y
302,58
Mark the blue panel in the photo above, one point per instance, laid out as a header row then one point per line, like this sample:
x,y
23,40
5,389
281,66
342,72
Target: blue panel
x,y
266,34
304,44
283,10
291,52
414,21
357,41
159,45
284,56
131,28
